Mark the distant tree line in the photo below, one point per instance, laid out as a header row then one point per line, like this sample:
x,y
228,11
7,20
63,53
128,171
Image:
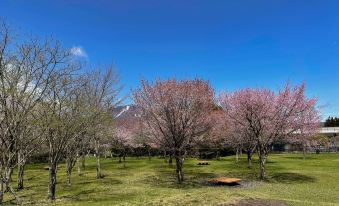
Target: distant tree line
x,y
332,122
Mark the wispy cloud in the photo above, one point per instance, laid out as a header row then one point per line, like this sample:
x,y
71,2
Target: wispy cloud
x,y
78,51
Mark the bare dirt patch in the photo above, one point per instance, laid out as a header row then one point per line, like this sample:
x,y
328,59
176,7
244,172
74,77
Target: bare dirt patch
x,y
256,202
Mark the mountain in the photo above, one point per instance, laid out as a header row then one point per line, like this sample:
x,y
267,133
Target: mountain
x,y
126,112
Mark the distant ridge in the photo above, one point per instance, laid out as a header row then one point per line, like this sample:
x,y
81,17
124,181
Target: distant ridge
x,y
126,112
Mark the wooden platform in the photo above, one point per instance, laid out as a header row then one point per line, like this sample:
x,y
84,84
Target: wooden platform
x,y
225,181
203,163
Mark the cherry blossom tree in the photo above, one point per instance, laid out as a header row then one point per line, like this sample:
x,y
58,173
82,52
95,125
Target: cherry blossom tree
x,y
123,138
309,126
267,116
216,138
175,113
240,139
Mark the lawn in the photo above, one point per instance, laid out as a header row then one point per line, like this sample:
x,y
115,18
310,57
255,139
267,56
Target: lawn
x,y
291,180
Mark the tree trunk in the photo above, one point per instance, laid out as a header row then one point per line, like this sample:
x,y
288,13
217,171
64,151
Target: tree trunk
x,y
97,155
124,159
21,169
180,175
249,158
52,181
12,191
9,172
83,161
304,151
69,164
237,155
170,161
218,155
5,186
79,167
79,164
149,155
17,199
184,156
98,167
120,158
1,190
165,156
262,153
9,175
262,162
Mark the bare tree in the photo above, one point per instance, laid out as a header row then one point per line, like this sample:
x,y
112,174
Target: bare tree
x,y
102,92
28,146
26,67
175,113
58,121
78,137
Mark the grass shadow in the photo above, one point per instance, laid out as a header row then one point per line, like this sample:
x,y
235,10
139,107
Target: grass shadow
x,y
291,178
253,202
111,181
168,180
77,196
301,158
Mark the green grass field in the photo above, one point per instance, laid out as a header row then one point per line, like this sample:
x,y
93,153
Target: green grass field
x,y
292,180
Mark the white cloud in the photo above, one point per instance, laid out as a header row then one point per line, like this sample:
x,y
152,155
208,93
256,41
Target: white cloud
x,y
78,51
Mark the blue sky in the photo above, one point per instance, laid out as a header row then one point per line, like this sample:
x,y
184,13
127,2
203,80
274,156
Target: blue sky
x,y
232,43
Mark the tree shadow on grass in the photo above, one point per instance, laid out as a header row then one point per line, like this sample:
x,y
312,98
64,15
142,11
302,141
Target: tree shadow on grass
x,y
268,162
101,181
193,180
94,195
77,196
301,157
168,180
291,178
10,202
